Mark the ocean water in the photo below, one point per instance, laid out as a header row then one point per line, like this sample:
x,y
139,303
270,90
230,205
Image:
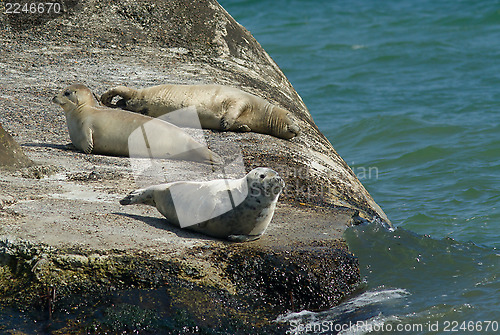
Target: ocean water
x,y
410,91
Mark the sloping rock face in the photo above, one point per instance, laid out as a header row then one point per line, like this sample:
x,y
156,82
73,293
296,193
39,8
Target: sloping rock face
x,y
68,234
204,44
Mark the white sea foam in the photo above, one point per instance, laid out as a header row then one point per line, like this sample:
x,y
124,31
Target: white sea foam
x,y
327,322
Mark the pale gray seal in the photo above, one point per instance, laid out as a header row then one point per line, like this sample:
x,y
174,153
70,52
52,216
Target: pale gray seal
x,y
237,209
96,129
218,107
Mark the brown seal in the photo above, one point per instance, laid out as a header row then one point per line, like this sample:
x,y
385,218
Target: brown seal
x,y
96,129
218,107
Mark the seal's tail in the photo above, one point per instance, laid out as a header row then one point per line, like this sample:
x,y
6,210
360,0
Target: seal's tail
x,y
141,196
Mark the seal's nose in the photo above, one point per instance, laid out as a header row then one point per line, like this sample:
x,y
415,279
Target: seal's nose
x,y
280,181
55,100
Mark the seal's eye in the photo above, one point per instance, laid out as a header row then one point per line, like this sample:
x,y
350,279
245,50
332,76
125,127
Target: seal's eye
x,y
262,176
67,93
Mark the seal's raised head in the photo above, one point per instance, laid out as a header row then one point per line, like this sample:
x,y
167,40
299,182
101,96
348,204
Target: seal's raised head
x,y
75,96
265,183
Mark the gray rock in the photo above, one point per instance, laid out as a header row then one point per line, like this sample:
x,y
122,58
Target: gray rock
x,y
87,242
11,154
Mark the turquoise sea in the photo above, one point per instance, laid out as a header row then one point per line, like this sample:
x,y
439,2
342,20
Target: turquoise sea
x,y
411,89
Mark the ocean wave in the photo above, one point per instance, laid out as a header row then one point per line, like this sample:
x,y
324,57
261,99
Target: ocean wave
x,y
358,310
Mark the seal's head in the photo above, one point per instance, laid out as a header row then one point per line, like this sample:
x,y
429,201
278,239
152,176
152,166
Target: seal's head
x,y
265,183
75,96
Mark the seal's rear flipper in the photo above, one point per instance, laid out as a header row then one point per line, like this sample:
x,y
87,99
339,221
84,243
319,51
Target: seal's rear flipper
x,y
122,103
127,200
124,92
141,196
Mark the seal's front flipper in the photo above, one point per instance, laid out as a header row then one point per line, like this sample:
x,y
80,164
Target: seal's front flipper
x,y
224,125
87,143
244,128
243,238
71,147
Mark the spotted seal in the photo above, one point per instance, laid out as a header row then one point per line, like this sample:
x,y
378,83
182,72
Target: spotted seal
x,y
235,209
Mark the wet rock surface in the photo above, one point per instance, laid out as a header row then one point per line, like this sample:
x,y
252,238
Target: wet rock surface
x,y
67,232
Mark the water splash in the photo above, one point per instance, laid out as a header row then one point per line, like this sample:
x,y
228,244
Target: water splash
x,y
355,316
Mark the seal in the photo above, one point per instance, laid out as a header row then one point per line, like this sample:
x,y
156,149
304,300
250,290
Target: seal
x,y
219,107
235,209
101,130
